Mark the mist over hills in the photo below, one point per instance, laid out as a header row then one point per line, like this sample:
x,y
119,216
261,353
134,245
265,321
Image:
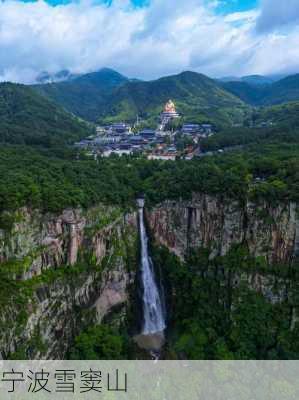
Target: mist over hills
x,y
60,76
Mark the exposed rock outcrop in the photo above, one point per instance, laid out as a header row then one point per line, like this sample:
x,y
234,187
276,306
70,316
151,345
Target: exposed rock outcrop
x,y
72,269
268,231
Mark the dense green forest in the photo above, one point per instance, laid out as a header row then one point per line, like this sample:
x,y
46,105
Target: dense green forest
x,y
40,179
100,342
29,118
275,124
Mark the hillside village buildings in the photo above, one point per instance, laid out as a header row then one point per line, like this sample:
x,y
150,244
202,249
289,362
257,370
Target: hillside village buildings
x,y
156,144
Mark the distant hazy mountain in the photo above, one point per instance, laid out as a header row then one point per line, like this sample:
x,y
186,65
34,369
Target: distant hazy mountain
x,y
285,90
85,95
250,94
282,91
107,95
63,75
257,80
251,79
29,118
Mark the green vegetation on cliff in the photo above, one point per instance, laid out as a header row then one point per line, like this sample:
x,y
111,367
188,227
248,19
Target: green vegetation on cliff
x,y
215,312
65,293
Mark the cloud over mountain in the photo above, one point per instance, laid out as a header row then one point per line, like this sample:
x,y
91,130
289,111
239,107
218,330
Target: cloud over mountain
x,y
146,42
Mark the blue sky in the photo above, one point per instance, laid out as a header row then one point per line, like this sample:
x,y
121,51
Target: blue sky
x,y
237,5
155,38
225,6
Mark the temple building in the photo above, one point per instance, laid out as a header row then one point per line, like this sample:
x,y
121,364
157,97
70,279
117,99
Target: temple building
x,y
169,112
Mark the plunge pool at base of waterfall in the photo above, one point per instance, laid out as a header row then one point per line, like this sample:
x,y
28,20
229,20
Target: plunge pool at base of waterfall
x,y
151,342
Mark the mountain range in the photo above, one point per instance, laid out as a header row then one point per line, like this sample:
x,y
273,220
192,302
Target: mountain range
x,y
251,79
106,95
54,112
281,91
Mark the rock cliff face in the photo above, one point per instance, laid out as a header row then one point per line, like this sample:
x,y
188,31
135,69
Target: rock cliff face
x,y
68,270
60,273
268,231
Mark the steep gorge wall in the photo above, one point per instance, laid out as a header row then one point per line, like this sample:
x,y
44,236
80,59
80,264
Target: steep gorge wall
x,y
268,231
60,273
65,271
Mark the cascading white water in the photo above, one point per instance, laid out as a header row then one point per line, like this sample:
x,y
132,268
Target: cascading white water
x,y
154,320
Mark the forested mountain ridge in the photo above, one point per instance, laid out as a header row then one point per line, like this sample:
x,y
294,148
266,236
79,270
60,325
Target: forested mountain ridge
x,y
197,97
29,118
251,79
282,91
85,95
250,94
107,96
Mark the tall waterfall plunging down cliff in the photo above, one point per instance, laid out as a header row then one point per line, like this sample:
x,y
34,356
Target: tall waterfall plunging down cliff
x,y
154,320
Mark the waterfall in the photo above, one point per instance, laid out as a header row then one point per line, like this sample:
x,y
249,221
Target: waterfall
x,y
154,320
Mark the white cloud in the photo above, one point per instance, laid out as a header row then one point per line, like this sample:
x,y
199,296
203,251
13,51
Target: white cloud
x,y
166,37
249,16
276,14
